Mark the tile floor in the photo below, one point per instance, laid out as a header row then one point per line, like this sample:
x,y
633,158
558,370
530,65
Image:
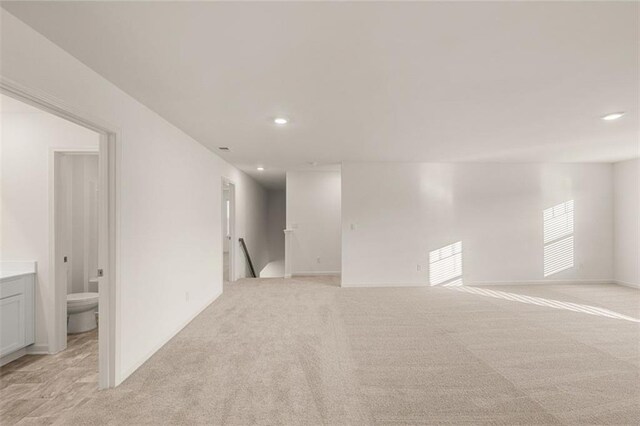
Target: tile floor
x,y
38,389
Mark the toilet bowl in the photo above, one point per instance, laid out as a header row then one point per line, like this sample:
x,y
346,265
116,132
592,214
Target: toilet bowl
x,y
81,312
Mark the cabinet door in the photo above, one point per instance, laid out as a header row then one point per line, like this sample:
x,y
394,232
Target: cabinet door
x,y
12,324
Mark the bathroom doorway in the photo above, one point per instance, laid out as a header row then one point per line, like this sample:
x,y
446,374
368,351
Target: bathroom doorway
x,y
45,137
228,231
76,236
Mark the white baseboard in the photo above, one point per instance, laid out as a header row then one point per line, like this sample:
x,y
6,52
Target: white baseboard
x,y
29,350
12,356
38,350
314,274
536,282
626,284
123,376
497,283
383,285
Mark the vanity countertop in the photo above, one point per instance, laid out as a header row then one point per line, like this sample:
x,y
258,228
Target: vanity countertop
x,y
16,269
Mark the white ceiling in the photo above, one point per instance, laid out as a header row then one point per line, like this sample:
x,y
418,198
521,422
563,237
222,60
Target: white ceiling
x,y
369,81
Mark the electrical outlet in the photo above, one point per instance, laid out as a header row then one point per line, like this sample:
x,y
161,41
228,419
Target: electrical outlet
x,y
186,296
419,267
353,226
318,259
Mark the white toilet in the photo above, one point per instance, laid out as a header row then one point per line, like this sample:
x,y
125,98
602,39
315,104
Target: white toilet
x,y
81,312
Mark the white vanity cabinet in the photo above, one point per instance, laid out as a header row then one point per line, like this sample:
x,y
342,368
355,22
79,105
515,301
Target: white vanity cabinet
x,y
17,315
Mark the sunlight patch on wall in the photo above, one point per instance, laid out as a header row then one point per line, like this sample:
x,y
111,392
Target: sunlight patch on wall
x,y
445,265
558,238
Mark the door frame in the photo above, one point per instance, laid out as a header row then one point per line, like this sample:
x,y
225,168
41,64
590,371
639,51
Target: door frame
x,y
110,135
232,227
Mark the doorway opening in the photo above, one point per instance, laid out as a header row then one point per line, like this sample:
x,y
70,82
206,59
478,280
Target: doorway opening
x,y
58,200
76,237
228,231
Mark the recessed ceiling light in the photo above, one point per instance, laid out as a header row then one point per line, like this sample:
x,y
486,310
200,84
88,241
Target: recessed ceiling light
x,y
260,169
280,120
612,116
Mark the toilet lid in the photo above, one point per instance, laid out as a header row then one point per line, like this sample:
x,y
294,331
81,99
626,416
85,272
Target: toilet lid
x,y
77,297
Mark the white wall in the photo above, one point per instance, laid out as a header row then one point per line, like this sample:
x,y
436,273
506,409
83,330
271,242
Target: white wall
x,y
169,222
27,141
402,211
252,200
626,253
277,222
313,212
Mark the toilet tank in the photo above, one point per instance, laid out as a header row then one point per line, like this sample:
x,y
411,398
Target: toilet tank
x,y
93,285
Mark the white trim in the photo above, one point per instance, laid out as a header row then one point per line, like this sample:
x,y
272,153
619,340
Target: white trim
x,y
233,241
315,273
38,350
109,318
626,284
46,102
287,252
536,282
488,283
384,285
164,341
109,350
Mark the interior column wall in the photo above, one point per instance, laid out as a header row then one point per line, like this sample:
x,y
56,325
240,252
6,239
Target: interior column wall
x,y
627,222
277,223
313,213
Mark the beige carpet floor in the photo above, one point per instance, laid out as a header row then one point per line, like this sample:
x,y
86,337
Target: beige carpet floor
x,y
305,351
